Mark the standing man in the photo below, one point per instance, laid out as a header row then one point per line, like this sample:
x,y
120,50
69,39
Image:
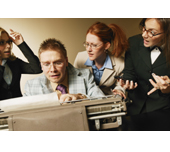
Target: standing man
x,y
60,76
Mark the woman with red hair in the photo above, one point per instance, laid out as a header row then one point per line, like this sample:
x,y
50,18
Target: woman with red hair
x,y
104,56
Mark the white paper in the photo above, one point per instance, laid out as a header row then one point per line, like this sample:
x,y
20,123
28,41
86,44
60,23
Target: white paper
x,y
29,102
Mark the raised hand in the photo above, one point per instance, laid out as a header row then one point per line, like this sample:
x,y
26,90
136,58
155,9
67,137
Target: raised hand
x,y
16,37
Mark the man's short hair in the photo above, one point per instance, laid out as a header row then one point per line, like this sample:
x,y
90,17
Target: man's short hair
x,y
52,44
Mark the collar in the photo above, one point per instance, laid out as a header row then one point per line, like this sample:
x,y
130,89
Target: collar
x,y
4,62
107,63
159,47
64,82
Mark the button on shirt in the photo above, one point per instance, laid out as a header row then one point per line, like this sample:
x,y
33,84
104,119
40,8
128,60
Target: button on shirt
x,y
99,72
154,54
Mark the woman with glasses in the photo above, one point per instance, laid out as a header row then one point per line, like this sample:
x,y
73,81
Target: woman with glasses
x,y
12,67
104,56
147,65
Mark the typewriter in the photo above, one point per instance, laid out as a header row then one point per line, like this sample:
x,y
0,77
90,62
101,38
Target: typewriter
x,y
81,115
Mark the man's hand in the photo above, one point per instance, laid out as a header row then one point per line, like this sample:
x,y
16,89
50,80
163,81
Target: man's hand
x,y
70,97
16,37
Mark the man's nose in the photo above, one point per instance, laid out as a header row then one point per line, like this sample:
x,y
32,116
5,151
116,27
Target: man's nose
x,y
53,68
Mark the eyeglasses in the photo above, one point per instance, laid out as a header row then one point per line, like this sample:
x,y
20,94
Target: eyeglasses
x,y
93,46
55,64
150,32
3,42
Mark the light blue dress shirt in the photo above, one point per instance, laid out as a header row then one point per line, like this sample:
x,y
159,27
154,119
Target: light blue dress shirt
x,y
99,72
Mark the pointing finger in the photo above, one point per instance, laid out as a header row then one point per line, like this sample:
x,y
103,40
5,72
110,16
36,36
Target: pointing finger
x,y
151,91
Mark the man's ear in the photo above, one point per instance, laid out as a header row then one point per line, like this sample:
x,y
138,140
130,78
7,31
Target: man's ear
x,y
66,61
41,66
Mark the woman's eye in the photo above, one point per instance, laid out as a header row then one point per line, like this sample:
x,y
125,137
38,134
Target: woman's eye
x,y
2,42
9,41
152,32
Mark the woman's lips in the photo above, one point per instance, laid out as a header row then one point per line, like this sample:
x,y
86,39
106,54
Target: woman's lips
x,y
6,52
90,55
146,42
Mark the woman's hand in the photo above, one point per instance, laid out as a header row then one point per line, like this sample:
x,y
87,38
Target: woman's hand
x,y
162,83
16,37
119,92
127,85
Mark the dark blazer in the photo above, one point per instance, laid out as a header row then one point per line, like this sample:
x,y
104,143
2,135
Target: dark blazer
x,y
18,67
138,67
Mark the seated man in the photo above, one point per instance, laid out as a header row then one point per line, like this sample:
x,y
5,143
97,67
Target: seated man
x,y
60,76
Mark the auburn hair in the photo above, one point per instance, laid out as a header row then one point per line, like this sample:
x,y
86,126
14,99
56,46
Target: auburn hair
x,y
111,33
